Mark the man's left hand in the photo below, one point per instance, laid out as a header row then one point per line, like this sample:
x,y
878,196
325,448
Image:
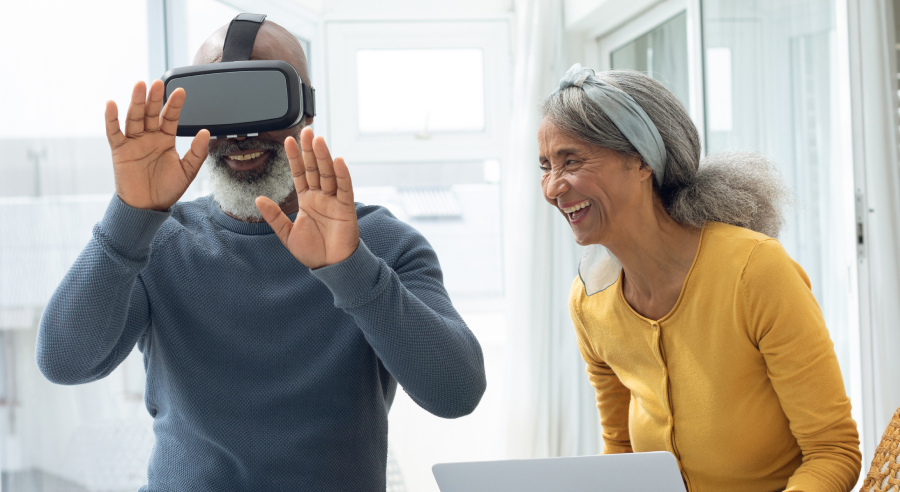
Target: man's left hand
x,y
325,231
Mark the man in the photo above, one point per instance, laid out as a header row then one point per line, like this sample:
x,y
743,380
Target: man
x,y
272,348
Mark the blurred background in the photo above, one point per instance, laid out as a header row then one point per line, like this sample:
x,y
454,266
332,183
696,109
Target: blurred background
x,y
434,106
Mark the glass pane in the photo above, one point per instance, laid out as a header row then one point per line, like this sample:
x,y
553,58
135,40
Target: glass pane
x,y
399,91
456,206
69,59
896,4
771,87
662,54
718,90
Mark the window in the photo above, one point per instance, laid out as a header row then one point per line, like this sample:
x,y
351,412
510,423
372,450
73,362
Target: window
x,y
777,92
389,103
419,111
718,90
765,78
662,53
384,78
663,42
771,85
57,181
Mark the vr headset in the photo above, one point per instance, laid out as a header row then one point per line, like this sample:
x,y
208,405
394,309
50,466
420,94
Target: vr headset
x,y
238,97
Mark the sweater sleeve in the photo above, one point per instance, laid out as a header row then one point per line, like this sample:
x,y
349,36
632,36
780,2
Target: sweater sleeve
x,y
787,325
407,318
100,309
613,398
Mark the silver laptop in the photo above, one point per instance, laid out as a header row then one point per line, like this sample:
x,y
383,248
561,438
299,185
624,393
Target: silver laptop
x,y
657,471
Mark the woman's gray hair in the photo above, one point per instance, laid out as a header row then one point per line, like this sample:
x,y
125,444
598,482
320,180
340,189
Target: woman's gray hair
x,y
738,188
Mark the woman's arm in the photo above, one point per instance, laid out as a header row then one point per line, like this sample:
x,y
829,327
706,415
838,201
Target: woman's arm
x,y
613,397
787,325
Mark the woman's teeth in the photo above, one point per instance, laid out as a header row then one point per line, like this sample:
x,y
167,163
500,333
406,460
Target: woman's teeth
x,y
244,157
577,207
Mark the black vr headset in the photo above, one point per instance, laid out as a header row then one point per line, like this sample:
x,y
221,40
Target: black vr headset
x,y
238,97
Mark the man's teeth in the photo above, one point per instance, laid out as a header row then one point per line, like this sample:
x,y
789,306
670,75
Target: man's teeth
x,y
577,207
245,157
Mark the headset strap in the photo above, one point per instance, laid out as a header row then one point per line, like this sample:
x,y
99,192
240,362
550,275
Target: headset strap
x,y
241,36
239,43
309,100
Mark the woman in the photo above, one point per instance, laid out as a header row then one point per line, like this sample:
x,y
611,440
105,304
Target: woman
x,y
701,335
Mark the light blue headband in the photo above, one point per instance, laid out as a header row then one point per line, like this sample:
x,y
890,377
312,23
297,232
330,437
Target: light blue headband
x,y
625,113
599,268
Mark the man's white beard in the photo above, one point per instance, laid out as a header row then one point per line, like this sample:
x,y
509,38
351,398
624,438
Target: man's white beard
x,y
237,194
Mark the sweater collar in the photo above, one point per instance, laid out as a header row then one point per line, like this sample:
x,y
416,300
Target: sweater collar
x,y
239,226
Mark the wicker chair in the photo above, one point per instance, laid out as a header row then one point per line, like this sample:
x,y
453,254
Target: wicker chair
x,y
884,476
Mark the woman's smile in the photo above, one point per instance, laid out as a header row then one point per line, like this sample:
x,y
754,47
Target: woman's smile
x,y
576,211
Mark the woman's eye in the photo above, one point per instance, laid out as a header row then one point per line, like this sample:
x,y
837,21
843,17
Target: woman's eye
x,y
544,168
570,162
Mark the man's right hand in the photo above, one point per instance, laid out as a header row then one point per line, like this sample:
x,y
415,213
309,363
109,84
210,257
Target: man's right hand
x,y
148,172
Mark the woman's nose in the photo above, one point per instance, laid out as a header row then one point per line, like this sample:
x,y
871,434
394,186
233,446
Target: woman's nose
x,y
554,186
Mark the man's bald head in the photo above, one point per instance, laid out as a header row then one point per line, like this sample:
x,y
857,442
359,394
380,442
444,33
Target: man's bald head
x,y
273,42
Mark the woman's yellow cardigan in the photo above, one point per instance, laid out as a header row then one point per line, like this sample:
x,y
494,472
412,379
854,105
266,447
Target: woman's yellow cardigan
x,y
739,381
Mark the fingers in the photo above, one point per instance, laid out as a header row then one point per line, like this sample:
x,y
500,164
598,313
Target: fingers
x,y
309,159
134,121
154,104
168,119
295,159
113,131
195,156
344,185
279,222
326,166
318,166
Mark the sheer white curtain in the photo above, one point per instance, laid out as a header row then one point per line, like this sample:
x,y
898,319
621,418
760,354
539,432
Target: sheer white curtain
x,y
550,403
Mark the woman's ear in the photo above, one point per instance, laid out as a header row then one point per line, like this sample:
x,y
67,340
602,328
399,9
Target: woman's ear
x,y
643,168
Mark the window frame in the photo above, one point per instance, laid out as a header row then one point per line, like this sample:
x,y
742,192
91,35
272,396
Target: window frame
x,y
345,38
611,40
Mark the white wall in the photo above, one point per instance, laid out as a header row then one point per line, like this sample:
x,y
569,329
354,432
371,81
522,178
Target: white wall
x,y
314,5
413,9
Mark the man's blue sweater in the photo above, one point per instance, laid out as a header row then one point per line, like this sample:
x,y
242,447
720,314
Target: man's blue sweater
x,y
261,373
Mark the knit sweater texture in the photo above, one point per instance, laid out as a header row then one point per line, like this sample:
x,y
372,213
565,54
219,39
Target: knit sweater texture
x,y
261,373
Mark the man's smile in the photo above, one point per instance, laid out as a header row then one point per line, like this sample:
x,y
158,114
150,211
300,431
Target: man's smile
x,y
244,160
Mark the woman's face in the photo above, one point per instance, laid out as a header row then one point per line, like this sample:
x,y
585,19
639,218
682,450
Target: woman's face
x,y
598,190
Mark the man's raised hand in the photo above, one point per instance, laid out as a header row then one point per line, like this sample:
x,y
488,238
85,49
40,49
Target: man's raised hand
x,y
148,172
325,231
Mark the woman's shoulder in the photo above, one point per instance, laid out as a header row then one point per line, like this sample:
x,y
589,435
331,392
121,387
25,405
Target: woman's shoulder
x,y
731,248
732,233
598,305
762,260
